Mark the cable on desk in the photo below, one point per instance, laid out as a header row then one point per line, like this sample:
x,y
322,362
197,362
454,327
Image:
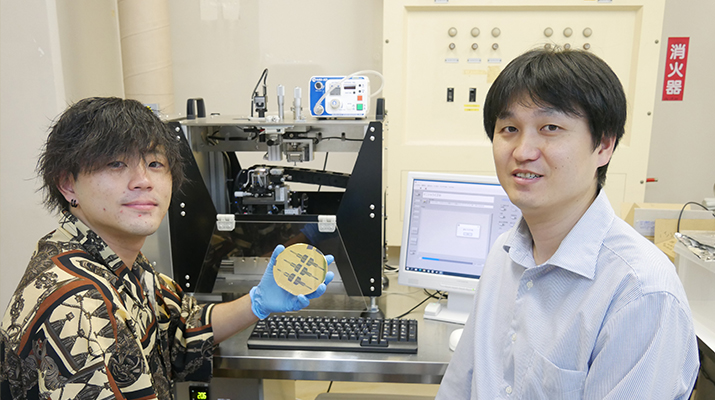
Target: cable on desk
x,y
438,294
329,386
429,296
390,267
683,209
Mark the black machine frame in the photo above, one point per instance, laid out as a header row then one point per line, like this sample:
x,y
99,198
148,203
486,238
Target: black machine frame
x,y
359,209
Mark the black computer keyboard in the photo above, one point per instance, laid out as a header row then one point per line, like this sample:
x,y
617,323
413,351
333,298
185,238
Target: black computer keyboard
x,y
293,332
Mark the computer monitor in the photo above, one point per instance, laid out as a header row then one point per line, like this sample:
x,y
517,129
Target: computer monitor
x,y
451,222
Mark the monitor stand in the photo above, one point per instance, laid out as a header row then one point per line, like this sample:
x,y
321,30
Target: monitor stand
x,y
459,305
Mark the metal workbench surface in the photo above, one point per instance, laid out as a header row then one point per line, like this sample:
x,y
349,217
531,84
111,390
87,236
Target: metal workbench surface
x,y
233,359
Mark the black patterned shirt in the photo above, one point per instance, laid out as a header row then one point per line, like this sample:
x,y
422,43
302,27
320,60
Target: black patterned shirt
x,y
81,326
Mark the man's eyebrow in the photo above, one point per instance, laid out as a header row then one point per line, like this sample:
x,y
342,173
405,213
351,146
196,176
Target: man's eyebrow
x,y
548,111
154,153
541,111
505,114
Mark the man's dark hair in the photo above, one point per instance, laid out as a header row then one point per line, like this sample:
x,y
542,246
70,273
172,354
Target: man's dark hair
x,y
99,130
575,82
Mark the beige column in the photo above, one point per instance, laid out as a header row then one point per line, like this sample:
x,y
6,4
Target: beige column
x,y
146,52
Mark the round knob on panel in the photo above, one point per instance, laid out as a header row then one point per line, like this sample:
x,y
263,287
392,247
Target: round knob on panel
x,y
587,32
452,31
495,46
496,32
548,32
335,103
475,32
586,46
567,46
452,46
475,46
568,32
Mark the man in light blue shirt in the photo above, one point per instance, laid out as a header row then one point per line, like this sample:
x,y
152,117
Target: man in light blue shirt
x,y
572,303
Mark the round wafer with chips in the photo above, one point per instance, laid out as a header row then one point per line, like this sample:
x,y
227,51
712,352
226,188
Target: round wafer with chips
x,y
300,269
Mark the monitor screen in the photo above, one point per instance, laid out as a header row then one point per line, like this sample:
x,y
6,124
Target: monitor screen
x,y
451,221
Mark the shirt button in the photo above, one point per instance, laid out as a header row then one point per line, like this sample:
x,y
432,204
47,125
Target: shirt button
x,y
513,337
529,284
508,390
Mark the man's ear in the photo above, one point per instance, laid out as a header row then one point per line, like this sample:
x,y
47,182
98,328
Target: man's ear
x,y
66,187
605,150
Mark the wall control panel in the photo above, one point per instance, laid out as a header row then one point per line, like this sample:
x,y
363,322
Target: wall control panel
x,y
441,58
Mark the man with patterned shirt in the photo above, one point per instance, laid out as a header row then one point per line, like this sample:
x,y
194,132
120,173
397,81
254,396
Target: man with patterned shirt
x,y
90,318
573,303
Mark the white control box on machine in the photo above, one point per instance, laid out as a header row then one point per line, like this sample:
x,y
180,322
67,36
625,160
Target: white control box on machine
x,y
339,97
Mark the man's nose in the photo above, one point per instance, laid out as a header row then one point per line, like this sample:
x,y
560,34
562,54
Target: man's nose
x,y
528,147
140,178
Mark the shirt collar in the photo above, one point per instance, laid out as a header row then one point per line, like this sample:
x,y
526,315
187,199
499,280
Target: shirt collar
x,y
94,244
579,250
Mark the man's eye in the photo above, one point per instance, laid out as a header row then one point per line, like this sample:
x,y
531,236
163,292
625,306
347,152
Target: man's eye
x,y
156,164
551,128
116,164
509,129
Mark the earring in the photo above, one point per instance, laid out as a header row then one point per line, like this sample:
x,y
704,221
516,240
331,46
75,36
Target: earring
x,y
74,203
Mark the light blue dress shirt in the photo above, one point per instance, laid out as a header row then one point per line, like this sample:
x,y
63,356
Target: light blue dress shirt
x,y
605,317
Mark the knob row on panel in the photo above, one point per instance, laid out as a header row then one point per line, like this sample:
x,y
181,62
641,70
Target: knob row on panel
x,y
474,46
474,32
495,46
548,32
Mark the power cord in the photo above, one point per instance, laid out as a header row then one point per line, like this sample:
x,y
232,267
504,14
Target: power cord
x,y
683,209
390,268
429,296
438,294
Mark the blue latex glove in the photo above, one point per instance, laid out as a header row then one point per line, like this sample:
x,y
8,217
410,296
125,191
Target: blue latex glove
x,y
268,297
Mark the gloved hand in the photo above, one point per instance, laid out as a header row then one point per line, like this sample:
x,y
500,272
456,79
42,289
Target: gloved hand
x,y
268,297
